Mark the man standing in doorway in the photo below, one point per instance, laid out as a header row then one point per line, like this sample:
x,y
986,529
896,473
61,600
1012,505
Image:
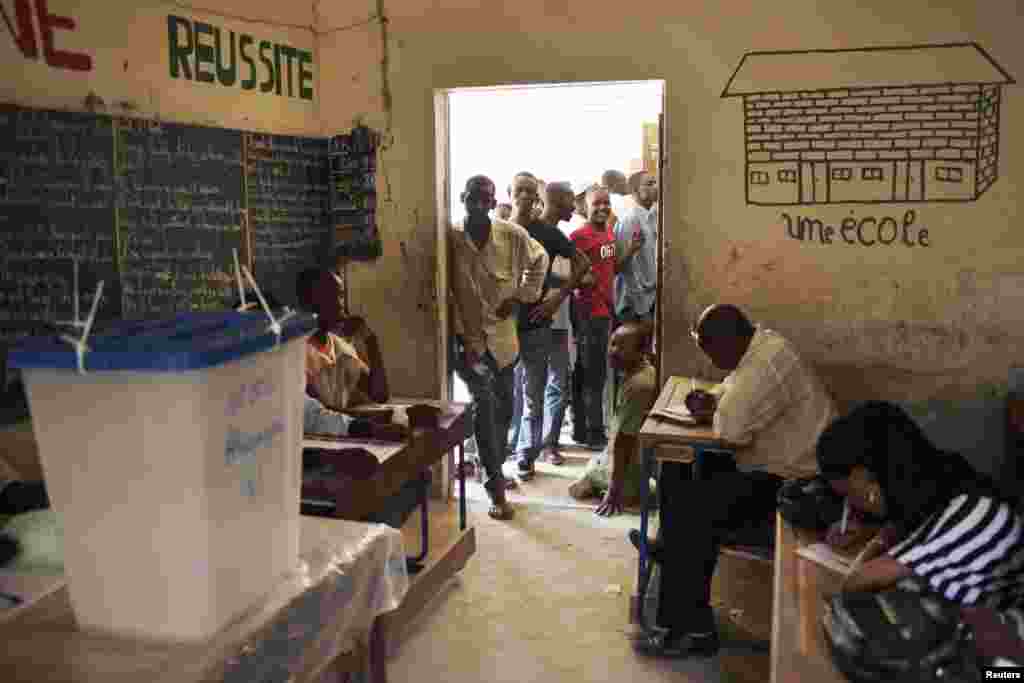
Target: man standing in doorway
x,y
594,310
496,266
637,279
525,201
535,335
618,193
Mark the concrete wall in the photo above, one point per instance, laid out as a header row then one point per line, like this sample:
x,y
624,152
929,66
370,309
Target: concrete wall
x,y
905,322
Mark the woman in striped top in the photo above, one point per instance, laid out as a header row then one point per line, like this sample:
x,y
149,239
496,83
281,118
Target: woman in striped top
x,y
946,524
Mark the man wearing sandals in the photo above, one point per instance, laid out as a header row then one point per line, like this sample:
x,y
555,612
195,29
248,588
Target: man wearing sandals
x,y
536,339
496,266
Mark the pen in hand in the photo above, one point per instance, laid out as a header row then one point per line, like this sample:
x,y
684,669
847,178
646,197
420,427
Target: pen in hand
x,y
846,516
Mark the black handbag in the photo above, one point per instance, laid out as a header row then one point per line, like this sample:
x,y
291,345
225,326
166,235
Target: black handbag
x,y
900,635
809,503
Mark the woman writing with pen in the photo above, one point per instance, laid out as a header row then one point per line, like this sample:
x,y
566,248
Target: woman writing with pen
x,y
944,523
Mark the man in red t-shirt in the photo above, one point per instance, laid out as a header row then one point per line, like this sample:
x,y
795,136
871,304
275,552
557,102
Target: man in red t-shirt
x,y
594,305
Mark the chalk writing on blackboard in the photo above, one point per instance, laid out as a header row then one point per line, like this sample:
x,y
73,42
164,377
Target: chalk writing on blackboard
x,y
288,207
870,125
56,207
179,205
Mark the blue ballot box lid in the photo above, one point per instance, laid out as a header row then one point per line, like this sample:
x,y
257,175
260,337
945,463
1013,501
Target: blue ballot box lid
x,y
189,341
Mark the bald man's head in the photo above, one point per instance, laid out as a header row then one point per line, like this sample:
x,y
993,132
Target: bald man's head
x,y
559,202
723,333
628,344
615,181
479,199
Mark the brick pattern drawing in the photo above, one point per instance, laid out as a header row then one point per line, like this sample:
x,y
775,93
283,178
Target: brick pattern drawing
x,y
871,125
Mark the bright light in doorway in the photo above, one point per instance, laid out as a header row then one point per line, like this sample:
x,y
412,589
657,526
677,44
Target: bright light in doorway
x,y
570,132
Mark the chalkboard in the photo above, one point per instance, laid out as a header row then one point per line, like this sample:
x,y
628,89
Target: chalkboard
x,y
56,207
287,190
353,164
179,207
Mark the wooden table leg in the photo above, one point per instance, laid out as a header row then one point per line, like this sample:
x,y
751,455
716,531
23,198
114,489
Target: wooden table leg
x,y
808,599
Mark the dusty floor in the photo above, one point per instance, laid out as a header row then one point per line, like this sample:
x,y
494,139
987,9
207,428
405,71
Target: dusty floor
x,y
546,599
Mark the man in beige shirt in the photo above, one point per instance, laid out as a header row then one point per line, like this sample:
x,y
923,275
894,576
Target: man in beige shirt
x,y
496,266
773,405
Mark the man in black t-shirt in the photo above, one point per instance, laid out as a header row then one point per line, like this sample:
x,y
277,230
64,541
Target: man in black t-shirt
x,y
534,324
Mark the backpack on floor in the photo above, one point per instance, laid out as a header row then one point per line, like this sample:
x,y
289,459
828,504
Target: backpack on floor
x,y
809,503
899,635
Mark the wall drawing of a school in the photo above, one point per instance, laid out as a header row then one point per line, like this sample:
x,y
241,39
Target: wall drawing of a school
x,y
917,123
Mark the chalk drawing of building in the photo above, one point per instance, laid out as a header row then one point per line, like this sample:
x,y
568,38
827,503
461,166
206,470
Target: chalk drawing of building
x,y
916,123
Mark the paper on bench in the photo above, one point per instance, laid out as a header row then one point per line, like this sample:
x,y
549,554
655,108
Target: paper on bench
x,y
682,416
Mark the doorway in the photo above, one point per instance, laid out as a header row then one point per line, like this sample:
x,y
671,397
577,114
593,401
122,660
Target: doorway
x,y
559,132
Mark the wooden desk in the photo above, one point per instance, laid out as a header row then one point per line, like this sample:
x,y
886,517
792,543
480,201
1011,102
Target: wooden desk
x,y
456,425
665,440
303,629
799,651
401,462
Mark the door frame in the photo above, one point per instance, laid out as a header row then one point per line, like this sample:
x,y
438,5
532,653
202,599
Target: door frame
x,y
442,183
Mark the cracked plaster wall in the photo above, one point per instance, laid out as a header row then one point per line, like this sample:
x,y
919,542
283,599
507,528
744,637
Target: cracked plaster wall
x,y
908,324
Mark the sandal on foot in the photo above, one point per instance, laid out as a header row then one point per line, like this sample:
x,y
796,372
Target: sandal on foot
x,y
555,458
501,511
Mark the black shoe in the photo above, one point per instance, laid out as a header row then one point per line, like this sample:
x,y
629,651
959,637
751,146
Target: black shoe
x,y
526,469
662,644
596,443
653,547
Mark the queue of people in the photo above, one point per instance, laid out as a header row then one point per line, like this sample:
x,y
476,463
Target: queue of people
x,y
601,267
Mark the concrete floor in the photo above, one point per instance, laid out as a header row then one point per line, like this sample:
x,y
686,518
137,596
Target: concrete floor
x,y
546,599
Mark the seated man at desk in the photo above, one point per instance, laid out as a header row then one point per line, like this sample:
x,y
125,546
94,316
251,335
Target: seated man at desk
x,y
365,380
337,377
774,407
616,473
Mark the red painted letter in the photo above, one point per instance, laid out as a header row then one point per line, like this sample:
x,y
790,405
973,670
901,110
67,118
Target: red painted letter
x,y
54,57
26,38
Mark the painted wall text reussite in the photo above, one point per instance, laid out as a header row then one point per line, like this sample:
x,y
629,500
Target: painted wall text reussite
x,y
205,53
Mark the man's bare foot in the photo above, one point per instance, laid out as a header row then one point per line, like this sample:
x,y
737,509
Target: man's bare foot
x,y
500,508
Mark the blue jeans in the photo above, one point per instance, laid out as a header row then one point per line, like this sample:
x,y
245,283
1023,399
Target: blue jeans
x,y
517,409
491,389
556,394
534,352
594,338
